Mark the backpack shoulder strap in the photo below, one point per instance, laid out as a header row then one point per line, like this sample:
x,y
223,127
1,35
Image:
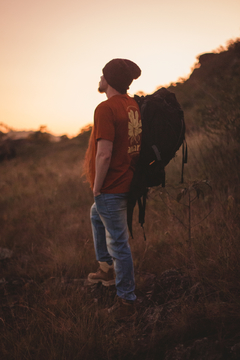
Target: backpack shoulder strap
x,y
142,208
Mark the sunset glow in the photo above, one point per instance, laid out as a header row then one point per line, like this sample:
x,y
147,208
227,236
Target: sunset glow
x,y
53,51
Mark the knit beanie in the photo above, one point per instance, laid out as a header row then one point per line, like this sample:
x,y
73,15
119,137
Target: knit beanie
x,y
119,73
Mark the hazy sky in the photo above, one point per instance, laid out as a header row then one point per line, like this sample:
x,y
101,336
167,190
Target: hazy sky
x,y
53,51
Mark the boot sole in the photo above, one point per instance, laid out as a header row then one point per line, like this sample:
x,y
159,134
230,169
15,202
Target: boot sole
x,y
104,282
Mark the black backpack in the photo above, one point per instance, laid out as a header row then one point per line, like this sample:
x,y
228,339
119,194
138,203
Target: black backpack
x,y
163,132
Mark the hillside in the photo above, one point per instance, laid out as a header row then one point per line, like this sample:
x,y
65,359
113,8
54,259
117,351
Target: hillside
x,y
210,97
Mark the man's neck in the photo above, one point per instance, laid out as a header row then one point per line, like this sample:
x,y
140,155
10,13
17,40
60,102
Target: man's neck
x,y
110,92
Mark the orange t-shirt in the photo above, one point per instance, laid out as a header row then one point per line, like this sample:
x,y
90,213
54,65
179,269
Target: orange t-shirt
x,y
118,120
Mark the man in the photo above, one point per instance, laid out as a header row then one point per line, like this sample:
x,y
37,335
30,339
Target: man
x,y
110,161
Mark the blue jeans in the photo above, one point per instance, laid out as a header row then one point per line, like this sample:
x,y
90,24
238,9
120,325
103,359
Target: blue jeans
x,y
110,235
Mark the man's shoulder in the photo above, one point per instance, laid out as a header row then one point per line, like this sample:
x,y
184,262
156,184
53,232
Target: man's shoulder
x,y
103,104
103,108
115,104
115,100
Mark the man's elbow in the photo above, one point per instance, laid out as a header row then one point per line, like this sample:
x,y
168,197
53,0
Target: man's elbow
x,y
105,156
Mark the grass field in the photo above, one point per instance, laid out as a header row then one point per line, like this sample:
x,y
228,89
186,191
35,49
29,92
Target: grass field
x,y
47,312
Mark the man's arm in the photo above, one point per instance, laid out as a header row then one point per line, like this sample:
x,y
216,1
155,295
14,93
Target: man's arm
x,y
103,158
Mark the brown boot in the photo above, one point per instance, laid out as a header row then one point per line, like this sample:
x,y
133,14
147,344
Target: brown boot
x,y
106,278
121,310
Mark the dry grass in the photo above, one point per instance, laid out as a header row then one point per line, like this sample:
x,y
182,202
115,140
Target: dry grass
x,y
44,218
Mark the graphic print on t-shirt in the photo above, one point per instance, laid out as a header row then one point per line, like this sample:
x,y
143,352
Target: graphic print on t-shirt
x,y
134,130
